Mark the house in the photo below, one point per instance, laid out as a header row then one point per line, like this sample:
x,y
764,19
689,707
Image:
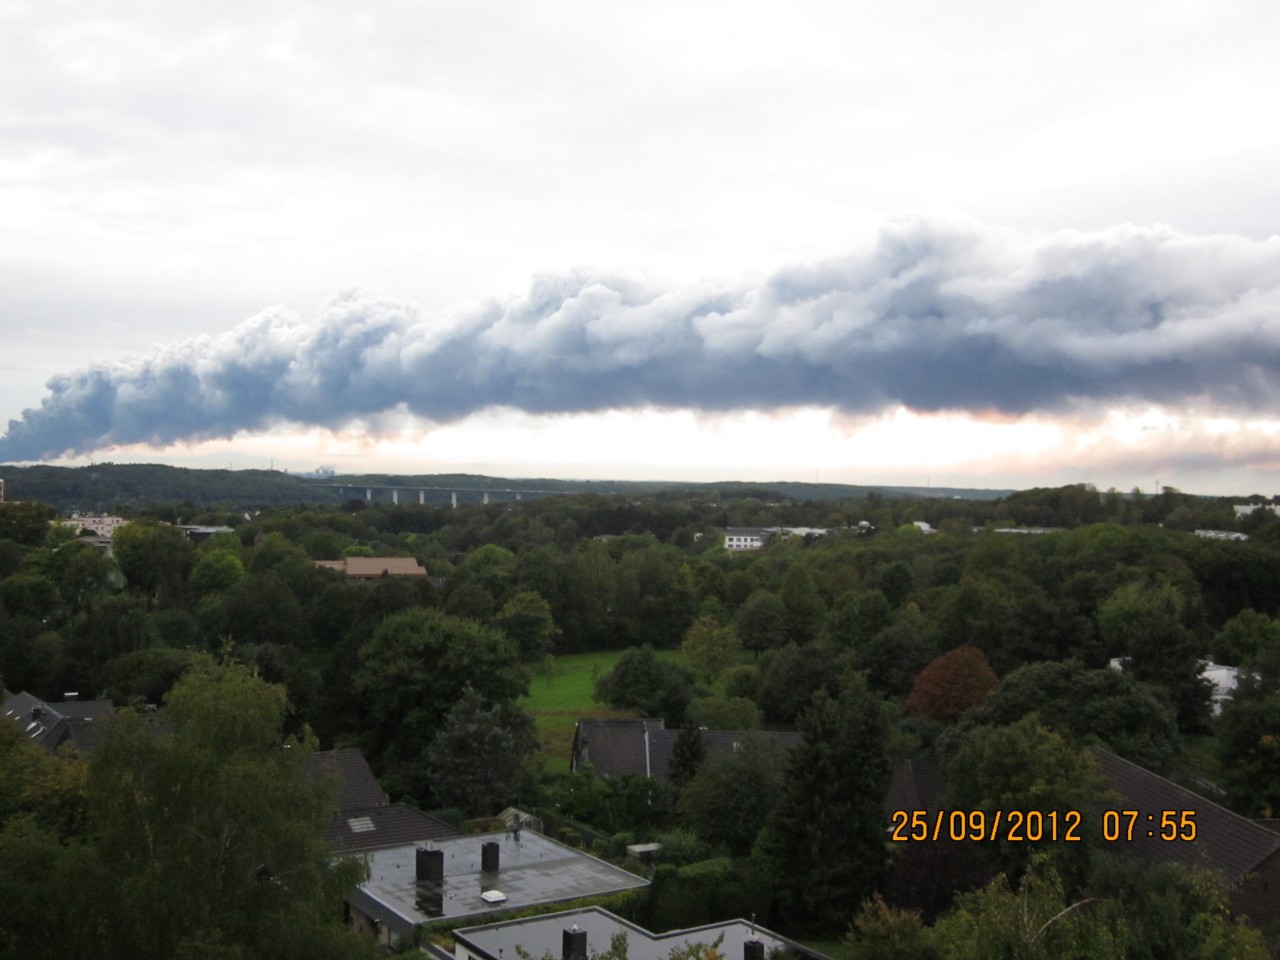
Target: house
x,y
52,724
619,748
98,525
363,818
746,538
477,875
1246,852
371,568
577,934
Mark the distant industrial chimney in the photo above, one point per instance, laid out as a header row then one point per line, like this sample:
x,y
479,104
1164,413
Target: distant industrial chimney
x,y
753,949
575,944
489,857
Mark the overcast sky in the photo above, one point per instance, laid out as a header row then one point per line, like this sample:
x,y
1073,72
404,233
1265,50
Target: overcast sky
x,y
991,244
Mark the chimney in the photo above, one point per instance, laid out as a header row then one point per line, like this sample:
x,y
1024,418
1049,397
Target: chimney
x,y
575,944
489,857
753,949
37,713
430,866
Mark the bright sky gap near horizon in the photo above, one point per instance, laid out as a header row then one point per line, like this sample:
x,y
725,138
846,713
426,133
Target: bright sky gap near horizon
x,y
1003,245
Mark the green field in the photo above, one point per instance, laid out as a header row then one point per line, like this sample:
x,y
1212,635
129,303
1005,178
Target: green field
x,y
557,699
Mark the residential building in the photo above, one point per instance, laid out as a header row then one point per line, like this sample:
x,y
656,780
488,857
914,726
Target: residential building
x,y
618,748
577,934
371,568
52,724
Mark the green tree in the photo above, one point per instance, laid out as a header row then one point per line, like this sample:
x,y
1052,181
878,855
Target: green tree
x,y
640,681
1148,624
155,560
724,713
761,622
1249,750
687,755
733,795
805,609
526,619
215,571
477,761
857,617
215,822
1101,706
24,521
826,839
413,669
709,648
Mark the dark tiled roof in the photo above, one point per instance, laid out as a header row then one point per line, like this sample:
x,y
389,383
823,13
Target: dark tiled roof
x,y
916,785
356,788
615,748
662,744
381,827
52,724
618,748
1225,841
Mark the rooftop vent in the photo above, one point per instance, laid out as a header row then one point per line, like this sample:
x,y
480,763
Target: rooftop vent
x,y
574,944
493,896
489,857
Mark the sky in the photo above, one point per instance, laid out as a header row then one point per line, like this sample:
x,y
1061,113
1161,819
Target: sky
x,y
995,244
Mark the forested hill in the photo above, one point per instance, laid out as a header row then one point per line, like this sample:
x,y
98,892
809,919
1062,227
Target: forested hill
x,y
108,486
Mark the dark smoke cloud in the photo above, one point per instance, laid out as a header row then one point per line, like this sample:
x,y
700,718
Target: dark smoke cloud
x,y
934,317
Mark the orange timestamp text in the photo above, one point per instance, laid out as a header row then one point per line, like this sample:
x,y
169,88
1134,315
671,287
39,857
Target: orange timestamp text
x,y
1034,826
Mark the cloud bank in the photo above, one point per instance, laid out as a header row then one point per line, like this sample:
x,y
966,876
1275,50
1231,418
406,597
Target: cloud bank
x,y
936,317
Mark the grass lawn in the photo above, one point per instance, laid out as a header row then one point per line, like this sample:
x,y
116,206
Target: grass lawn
x,y
557,699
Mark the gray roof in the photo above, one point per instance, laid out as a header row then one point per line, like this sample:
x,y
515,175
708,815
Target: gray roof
x,y
376,828
543,935
617,748
916,785
1225,841
52,724
532,870
348,773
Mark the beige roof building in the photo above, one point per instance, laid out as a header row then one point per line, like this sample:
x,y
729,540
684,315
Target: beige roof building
x,y
371,568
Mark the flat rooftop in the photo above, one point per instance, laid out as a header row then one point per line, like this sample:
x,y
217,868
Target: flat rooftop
x,y
543,936
532,870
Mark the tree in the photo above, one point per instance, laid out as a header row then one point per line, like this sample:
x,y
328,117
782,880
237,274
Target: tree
x,y
791,676
24,521
733,795
1022,766
210,835
687,755
1102,706
526,619
1148,623
857,617
826,839
477,761
413,669
805,609
761,622
640,681
1249,749
957,681
709,648
154,559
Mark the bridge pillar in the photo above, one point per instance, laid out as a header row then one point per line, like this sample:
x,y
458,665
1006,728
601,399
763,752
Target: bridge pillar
x,y
454,495
422,497
395,498
486,496
368,494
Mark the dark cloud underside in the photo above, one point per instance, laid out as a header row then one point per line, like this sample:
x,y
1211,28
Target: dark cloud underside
x,y
932,317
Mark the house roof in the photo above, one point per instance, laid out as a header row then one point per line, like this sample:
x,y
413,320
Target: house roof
x,y
532,870
618,748
349,773
916,785
382,827
543,935
1225,841
615,748
52,724
370,568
